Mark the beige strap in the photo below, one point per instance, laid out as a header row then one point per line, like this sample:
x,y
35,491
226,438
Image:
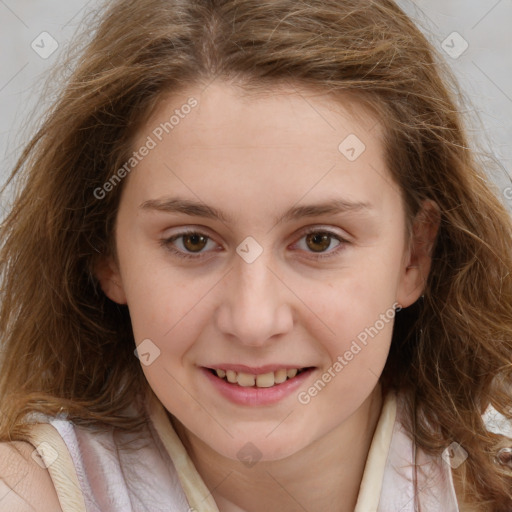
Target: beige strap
x,y
53,450
198,495
373,476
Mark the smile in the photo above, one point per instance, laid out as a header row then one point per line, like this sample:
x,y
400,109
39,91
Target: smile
x,y
263,380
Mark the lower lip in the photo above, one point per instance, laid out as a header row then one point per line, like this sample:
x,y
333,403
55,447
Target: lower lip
x,y
253,395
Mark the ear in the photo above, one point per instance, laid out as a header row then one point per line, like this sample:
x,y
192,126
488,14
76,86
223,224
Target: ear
x,y
418,257
109,277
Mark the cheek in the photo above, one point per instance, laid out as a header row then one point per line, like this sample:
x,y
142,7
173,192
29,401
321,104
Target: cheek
x,y
158,296
172,318
359,312
166,310
353,302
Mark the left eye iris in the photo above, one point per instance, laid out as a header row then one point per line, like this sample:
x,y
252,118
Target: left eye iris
x,y
318,242
194,242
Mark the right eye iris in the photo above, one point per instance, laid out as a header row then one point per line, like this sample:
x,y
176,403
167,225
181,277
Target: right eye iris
x,y
190,242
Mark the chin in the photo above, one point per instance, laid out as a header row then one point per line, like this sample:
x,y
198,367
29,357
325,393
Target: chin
x,y
263,450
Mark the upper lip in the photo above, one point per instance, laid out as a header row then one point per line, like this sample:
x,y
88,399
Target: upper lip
x,y
255,370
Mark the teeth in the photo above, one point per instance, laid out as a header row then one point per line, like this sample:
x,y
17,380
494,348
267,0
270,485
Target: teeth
x,y
291,373
246,380
280,376
264,380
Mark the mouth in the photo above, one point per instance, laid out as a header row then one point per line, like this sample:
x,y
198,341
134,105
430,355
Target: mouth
x,y
263,380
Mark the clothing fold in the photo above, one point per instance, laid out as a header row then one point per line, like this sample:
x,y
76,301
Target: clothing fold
x,y
151,471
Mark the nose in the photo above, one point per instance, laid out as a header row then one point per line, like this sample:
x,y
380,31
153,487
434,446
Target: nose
x,y
255,305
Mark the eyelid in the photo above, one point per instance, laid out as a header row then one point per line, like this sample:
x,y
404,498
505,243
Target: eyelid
x,y
324,229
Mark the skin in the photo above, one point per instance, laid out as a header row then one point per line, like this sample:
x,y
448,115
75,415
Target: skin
x,y
254,156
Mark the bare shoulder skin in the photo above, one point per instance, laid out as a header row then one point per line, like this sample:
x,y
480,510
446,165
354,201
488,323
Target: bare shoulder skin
x,y
25,486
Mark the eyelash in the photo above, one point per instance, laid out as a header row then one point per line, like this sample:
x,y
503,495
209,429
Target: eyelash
x,y
167,243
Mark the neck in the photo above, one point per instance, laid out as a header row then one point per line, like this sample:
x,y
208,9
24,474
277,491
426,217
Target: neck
x,y
325,475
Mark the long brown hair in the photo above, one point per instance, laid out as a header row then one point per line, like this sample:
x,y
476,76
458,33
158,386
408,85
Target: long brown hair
x,y
68,347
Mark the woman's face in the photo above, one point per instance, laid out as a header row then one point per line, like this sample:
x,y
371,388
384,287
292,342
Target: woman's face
x,y
261,234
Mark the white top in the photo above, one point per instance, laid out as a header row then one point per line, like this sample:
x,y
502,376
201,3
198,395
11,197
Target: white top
x,y
124,472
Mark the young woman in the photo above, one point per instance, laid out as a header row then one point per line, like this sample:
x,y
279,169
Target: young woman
x,y
253,265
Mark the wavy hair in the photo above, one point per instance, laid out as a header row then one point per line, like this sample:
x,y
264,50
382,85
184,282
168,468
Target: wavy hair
x,y
67,347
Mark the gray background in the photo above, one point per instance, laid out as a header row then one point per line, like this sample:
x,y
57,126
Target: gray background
x,y
484,69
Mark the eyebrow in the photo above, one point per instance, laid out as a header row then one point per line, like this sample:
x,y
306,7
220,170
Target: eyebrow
x,y
199,209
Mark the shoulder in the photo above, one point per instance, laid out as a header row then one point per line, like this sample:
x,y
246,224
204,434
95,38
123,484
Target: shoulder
x,y
25,484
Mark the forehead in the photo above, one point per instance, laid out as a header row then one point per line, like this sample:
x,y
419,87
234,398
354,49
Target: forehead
x,y
288,141
281,111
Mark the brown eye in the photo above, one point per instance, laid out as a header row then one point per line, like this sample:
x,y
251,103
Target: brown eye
x,y
318,242
189,244
194,242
